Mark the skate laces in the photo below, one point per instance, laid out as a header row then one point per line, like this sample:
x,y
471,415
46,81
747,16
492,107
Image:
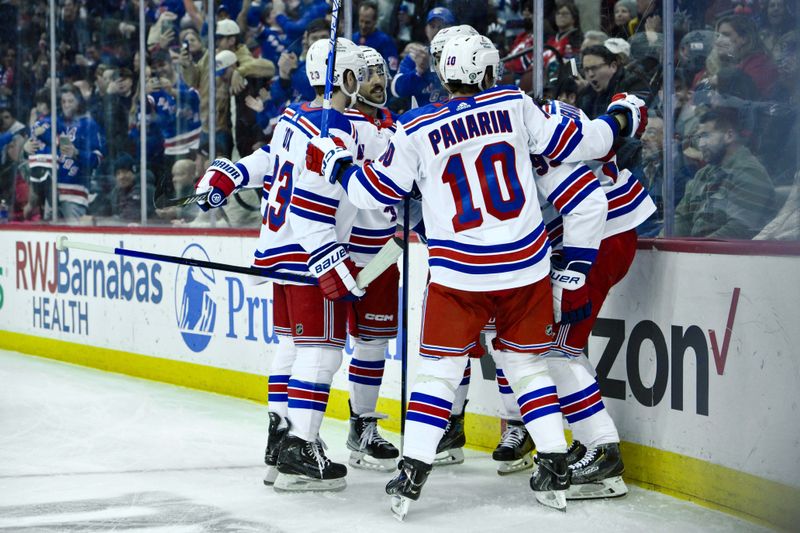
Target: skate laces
x,y
512,437
315,451
370,435
587,459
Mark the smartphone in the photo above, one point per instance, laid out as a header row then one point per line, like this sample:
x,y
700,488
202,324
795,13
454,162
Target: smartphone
x,y
185,45
64,140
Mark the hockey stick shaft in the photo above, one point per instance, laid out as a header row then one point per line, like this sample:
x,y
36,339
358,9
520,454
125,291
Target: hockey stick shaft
x,y
326,104
162,201
404,324
64,243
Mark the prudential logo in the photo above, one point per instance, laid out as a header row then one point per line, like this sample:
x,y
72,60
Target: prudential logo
x,y
195,309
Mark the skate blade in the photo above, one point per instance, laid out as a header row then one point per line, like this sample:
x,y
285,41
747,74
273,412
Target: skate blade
x,y
556,499
400,505
367,462
613,487
272,474
300,483
505,468
449,457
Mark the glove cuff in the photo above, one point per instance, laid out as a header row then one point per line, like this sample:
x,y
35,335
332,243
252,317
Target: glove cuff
x,y
327,258
227,176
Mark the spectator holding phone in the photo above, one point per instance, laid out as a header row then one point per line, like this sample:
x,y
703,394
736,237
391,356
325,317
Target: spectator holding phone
x,y
80,150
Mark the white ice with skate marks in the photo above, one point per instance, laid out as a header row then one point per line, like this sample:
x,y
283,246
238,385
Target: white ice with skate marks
x,y
84,450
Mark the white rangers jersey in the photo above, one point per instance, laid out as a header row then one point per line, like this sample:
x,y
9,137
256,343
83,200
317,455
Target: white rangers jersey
x,y
471,160
297,218
372,227
628,202
319,213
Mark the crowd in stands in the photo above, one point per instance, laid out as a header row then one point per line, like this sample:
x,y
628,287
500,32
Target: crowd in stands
x,y
735,126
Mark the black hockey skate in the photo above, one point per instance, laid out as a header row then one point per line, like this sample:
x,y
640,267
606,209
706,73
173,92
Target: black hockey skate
x,y
575,452
598,474
406,486
303,466
550,480
370,451
274,440
514,450
449,451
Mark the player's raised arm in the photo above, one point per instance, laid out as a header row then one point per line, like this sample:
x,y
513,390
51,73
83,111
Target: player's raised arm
x,y
570,139
378,184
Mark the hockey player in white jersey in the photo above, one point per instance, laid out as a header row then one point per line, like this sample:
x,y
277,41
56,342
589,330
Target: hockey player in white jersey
x,y
373,318
596,465
303,231
488,249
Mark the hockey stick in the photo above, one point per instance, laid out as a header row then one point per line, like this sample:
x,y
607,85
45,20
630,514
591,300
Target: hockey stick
x,y
64,243
404,324
162,201
386,257
326,103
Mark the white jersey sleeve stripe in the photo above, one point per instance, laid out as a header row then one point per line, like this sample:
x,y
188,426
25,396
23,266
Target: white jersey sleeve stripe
x,y
573,189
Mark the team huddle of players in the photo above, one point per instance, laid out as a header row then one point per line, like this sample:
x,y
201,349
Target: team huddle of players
x,y
528,223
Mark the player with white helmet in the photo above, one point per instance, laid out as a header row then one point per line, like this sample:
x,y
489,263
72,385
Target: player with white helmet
x,y
373,318
305,227
441,38
488,252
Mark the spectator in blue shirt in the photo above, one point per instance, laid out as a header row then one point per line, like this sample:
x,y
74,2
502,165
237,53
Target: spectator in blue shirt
x,y
309,11
415,77
370,35
291,84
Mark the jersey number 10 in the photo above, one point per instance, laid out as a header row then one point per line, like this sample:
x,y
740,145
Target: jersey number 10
x,y
469,216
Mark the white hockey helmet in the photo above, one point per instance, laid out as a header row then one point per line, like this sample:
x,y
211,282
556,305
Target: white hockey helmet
x,y
466,59
348,57
375,65
444,35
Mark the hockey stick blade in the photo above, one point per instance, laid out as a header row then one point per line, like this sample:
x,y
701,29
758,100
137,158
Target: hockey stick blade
x,y
386,257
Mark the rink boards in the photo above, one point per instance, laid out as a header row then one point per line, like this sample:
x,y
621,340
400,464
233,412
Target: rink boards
x,y
696,353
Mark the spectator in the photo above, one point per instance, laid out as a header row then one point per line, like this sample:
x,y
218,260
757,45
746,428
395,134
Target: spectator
x,y
308,11
414,77
272,39
624,19
368,34
694,48
291,84
80,151
183,177
178,107
780,19
14,187
568,37
606,77
190,40
196,75
732,196
126,197
9,126
737,43
115,103
592,38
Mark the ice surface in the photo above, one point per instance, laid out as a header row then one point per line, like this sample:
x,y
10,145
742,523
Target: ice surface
x,y
85,450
